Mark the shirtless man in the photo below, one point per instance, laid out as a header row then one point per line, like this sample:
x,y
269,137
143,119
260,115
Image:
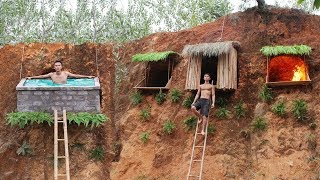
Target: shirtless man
x,y
207,91
59,77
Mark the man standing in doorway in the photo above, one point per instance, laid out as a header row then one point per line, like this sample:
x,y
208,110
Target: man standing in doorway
x,y
205,92
59,76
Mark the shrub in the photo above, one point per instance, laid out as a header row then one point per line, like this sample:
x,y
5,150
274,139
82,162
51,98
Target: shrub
x,y
144,137
24,149
97,153
265,94
160,97
175,95
221,102
313,125
24,118
312,141
145,114
300,109
279,109
78,145
187,102
259,124
211,129
136,98
168,127
190,122
222,113
240,111
87,119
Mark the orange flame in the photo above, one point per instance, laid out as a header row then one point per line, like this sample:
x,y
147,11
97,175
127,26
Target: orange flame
x,y
299,73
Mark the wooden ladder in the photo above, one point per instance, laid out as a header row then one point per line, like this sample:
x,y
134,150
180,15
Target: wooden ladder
x,y
192,160
63,120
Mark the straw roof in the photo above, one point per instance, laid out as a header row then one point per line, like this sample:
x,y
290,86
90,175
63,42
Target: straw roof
x,y
152,56
209,49
295,50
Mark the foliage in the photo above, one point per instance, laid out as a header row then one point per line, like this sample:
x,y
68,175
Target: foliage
x,y
222,113
78,145
144,137
277,50
221,102
160,97
87,119
312,141
211,129
279,109
24,149
190,122
187,102
24,118
240,110
259,124
316,3
300,109
97,153
152,56
175,95
136,98
265,94
169,127
145,114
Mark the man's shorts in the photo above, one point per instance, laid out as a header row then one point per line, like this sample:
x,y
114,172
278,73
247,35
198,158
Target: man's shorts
x,y
204,105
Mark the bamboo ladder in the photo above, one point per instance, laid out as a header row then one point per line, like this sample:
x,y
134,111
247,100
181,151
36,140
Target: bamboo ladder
x,y
63,120
192,160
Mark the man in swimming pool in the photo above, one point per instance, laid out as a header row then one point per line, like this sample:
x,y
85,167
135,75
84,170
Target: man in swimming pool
x,y
207,91
59,76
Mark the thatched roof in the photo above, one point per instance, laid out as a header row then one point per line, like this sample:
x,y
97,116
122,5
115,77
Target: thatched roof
x,y
209,49
295,50
152,56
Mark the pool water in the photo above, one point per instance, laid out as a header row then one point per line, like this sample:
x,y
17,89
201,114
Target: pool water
x,y
49,82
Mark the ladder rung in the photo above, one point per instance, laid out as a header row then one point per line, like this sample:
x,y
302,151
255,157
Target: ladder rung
x,y
61,174
60,121
61,156
199,146
60,139
197,160
193,176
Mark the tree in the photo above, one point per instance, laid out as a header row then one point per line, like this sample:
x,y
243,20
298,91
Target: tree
x,y
316,3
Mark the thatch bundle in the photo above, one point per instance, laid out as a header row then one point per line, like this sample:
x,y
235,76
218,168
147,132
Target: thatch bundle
x,y
210,49
277,50
152,56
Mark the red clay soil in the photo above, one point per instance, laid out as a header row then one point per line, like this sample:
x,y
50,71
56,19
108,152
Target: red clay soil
x,y
284,151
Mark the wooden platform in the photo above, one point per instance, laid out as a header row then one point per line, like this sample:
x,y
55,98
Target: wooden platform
x,y
288,83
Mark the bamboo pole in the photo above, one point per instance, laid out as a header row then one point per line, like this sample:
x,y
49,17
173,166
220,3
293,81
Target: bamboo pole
x,y
55,144
66,149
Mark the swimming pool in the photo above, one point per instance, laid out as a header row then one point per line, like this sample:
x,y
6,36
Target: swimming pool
x,y
49,82
78,95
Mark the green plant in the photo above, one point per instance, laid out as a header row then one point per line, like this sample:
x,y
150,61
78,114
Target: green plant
x,y
24,118
78,145
136,98
259,124
145,114
312,141
276,50
87,119
265,94
168,127
190,122
175,95
222,113
97,153
24,149
187,102
160,97
211,129
144,137
151,56
221,102
300,109
313,125
240,110
279,109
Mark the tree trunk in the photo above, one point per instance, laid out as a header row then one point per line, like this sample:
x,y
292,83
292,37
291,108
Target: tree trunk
x,y
261,4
